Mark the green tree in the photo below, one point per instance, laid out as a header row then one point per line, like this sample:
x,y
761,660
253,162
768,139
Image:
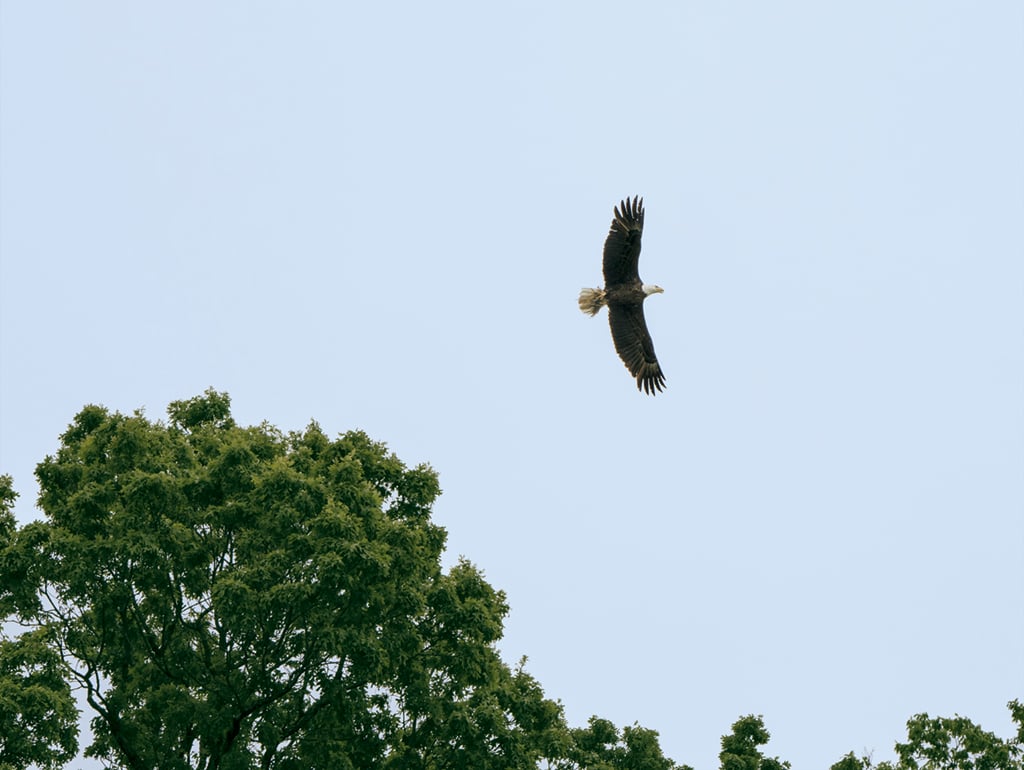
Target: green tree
x,y
602,746
741,748
950,743
234,597
38,718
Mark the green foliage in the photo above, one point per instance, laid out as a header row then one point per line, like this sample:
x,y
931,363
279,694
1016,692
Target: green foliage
x,y
211,408
7,498
601,746
956,743
38,719
932,744
231,597
950,743
852,762
740,749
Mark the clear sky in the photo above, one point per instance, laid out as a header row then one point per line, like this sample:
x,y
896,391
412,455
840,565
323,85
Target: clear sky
x,y
379,215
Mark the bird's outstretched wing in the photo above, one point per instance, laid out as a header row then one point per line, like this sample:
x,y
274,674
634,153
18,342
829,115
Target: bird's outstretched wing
x,y
634,345
622,246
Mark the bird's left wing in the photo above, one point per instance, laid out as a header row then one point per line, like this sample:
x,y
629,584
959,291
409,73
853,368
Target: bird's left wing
x,y
635,347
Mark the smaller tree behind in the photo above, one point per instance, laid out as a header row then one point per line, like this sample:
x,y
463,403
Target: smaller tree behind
x,y
950,743
37,713
741,748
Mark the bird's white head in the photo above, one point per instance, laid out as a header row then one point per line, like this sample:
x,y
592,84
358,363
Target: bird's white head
x,y
651,288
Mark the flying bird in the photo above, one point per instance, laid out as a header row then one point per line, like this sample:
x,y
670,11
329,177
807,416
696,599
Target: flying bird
x,y
624,294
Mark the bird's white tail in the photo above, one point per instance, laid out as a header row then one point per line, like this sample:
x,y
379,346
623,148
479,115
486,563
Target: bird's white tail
x,y
592,300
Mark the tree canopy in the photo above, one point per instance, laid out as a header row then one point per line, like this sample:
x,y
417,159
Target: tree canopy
x,y
235,597
231,597
950,743
38,718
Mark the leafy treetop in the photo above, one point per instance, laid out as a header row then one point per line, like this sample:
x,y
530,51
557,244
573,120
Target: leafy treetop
x,y
235,597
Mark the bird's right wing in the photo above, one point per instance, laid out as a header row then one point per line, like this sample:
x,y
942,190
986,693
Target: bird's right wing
x,y
622,246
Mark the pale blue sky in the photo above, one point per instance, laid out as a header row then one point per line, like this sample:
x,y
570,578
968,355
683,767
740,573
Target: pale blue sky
x,y
379,216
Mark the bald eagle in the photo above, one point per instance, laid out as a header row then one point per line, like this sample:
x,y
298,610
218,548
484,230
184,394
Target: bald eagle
x,y
624,294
